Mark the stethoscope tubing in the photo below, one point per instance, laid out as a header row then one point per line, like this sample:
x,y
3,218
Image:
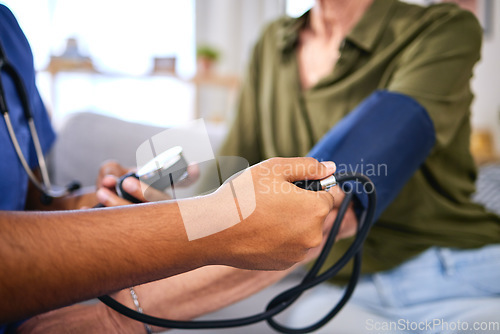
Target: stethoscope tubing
x,y
44,185
288,297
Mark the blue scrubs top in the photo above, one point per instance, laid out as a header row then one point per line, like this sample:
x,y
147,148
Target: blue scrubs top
x,y
14,180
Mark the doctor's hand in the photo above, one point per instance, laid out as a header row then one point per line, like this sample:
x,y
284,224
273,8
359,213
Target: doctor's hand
x,y
258,219
280,225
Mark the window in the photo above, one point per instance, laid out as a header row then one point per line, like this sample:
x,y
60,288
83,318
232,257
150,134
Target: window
x,y
296,8
121,38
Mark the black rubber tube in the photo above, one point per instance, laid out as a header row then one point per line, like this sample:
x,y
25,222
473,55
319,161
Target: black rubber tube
x,y
286,298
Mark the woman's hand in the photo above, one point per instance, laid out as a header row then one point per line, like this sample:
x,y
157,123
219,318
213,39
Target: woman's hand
x,y
111,171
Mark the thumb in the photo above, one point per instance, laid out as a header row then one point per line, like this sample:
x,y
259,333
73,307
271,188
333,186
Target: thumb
x,y
309,169
327,198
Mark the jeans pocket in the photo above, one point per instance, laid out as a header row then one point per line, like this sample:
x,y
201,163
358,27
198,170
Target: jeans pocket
x,y
477,271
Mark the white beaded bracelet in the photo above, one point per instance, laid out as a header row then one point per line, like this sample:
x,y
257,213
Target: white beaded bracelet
x,y
139,309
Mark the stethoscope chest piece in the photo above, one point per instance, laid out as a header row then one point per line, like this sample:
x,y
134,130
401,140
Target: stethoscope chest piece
x,y
160,173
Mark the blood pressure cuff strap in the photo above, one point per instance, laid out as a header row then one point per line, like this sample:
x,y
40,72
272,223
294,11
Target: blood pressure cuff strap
x,y
387,137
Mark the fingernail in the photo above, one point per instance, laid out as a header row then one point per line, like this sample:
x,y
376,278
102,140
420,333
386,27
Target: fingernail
x,y
130,185
102,195
109,178
330,165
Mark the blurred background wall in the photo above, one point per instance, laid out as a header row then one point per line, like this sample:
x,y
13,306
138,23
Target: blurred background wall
x,y
138,60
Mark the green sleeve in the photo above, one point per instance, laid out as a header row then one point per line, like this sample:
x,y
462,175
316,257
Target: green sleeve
x,y
243,137
436,70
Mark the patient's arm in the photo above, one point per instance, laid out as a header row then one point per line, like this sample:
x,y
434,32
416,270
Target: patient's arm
x,y
199,292
180,297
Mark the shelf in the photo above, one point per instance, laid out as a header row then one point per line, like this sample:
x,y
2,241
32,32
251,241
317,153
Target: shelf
x,y
231,83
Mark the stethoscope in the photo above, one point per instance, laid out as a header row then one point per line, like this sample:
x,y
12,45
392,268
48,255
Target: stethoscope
x,y
160,173
44,185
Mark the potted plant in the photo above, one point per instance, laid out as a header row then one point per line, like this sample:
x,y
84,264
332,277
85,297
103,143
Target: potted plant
x,y
206,57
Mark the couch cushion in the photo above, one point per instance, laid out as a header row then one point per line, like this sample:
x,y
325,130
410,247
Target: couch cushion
x,y
87,139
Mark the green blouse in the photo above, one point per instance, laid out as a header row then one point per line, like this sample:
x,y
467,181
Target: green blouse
x,y
427,53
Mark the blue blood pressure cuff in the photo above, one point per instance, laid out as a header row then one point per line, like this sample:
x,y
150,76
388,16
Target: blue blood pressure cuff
x,y
387,137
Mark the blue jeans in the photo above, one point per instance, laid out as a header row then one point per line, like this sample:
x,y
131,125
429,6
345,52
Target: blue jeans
x,y
442,290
